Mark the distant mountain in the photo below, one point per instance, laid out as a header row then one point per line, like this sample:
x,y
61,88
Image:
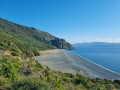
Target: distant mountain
x,y
96,44
33,37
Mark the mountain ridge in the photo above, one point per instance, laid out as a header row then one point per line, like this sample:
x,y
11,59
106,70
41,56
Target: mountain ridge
x,y
39,39
96,44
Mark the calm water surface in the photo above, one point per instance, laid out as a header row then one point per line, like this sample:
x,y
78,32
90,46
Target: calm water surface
x,y
107,57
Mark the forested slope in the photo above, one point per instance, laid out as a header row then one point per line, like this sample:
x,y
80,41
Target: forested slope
x,y
39,39
15,46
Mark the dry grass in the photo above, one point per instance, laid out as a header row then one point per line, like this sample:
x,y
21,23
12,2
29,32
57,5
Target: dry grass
x,y
48,51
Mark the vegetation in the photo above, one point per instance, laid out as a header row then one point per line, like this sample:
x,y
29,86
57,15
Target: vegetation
x,y
31,75
33,37
19,70
29,83
15,46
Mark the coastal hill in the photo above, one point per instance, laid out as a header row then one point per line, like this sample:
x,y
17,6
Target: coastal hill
x,y
33,37
96,44
20,70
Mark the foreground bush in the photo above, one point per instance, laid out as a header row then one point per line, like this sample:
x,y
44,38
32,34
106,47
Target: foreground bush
x,y
29,83
29,74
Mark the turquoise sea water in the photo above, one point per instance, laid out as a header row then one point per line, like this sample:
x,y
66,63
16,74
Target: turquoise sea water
x,y
108,57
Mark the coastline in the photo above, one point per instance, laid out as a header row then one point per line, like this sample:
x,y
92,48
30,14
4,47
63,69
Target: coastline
x,y
68,62
97,64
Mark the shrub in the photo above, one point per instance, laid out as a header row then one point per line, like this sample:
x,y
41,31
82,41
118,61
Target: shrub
x,y
29,83
69,75
3,81
36,53
47,72
80,79
2,48
15,53
39,65
10,67
117,81
9,71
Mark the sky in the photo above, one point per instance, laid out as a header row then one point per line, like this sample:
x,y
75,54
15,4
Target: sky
x,y
73,20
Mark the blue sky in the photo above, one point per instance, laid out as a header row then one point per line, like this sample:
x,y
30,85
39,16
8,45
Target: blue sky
x,y
74,20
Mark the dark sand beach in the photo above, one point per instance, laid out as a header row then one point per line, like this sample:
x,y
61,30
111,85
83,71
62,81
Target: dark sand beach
x,y
68,62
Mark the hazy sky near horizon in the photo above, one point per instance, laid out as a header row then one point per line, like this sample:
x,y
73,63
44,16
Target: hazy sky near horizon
x,y
74,20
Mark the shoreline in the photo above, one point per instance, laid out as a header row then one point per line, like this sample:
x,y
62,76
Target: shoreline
x,y
69,62
96,64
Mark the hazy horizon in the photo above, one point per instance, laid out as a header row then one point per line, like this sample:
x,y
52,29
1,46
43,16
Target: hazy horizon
x,y
99,41
95,42
74,20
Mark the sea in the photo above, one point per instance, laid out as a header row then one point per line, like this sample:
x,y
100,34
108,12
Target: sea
x,y
108,57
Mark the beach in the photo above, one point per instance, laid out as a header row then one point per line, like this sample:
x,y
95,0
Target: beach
x,y
68,62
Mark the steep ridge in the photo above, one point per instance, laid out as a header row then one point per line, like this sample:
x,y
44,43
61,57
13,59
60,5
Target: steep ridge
x,y
39,39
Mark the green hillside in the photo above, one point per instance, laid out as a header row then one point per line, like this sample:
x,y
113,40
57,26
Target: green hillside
x,y
15,46
19,70
33,37
28,74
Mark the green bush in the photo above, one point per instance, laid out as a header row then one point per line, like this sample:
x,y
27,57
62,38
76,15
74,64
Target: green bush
x,y
69,75
117,81
36,53
30,83
9,71
80,80
39,65
2,48
10,67
3,81
15,53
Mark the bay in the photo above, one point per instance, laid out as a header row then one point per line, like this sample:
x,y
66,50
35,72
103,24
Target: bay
x,y
108,57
